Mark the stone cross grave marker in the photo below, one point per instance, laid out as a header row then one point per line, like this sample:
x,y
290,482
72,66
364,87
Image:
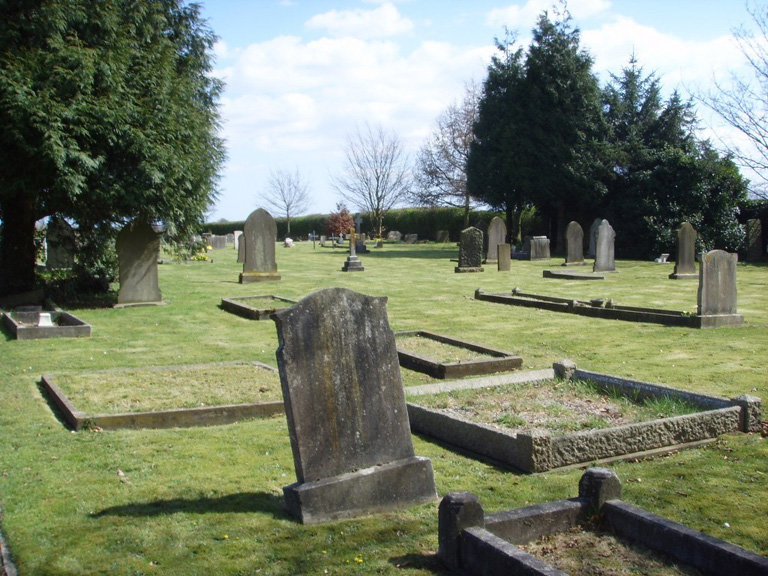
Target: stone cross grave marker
x,y
470,251
353,263
358,223
717,283
685,262
346,411
604,259
138,247
260,235
497,233
574,244
60,245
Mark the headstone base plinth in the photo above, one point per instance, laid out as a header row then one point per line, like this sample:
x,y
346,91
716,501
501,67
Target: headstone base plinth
x,y
720,320
138,304
248,277
460,269
391,486
353,264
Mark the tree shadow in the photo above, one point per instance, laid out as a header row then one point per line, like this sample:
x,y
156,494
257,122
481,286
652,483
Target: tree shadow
x,y
244,502
428,562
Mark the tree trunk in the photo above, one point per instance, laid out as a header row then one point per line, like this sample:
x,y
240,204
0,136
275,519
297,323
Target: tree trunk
x,y
466,211
17,245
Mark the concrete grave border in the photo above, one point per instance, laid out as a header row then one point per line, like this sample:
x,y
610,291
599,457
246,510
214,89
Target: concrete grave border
x,y
500,361
536,450
607,309
571,275
474,543
177,418
66,325
235,305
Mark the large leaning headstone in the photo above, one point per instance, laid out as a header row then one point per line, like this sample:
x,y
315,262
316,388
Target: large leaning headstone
x,y
346,410
497,233
470,251
685,262
260,235
60,245
604,255
574,244
138,247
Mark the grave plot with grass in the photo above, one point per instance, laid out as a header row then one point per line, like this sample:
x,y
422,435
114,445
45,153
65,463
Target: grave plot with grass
x,y
539,425
163,397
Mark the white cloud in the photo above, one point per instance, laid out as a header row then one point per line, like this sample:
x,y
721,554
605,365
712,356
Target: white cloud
x,y
523,16
381,22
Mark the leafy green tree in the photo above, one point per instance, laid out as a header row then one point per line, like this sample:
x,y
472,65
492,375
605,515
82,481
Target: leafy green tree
x,y
109,113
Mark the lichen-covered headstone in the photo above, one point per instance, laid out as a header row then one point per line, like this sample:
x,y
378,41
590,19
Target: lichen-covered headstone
x,y
470,251
685,262
604,259
60,245
717,283
497,233
138,247
574,244
260,235
346,410
539,248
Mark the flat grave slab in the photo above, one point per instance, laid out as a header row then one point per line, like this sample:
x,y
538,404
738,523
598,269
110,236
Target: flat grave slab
x,y
524,442
571,275
31,323
165,397
510,542
445,357
255,307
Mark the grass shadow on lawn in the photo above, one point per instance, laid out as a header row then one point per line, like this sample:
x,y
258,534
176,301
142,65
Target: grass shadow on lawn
x,y
247,502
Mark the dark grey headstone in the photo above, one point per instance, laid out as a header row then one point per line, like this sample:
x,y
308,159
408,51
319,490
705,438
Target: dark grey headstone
x,y
754,239
411,238
346,411
497,233
574,244
241,249
442,237
470,251
138,247
60,242
260,235
717,283
504,257
604,259
539,248
593,236
685,262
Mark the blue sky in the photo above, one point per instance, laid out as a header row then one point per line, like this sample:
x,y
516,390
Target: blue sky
x,y
301,75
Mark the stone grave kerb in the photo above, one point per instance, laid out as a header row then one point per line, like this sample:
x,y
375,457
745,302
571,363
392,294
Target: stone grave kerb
x,y
346,411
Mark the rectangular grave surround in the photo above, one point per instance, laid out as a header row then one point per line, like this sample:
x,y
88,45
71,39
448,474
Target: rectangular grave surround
x,y
254,307
22,324
475,543
186,417
538,450
497,361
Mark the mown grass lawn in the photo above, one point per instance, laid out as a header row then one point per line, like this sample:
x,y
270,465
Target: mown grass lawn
x,y
207,500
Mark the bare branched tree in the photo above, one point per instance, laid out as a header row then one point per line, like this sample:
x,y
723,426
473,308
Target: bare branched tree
x,y
287,193
743,103
441,165
375,175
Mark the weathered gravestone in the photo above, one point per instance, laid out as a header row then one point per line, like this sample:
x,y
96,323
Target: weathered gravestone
x,y
411,238
346,411
323,240
217,242
360,247
237,235
470,251
394,235
754,240
593,230
497,233
138,247
717,283
60,245
504,257
604,258
241,250
442,237
353,263
230,238
539,248
574,245
685,262
260,235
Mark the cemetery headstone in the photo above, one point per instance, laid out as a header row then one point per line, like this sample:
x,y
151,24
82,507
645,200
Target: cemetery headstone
x,y
358,223
470,251
593,230
604,249
138,247
241,249
754,239
60,242
237,234
323,240
353,263
497,233
260,235
574,244
717,283
411,238
539,248
346,411
685,262
504,257
217,242
230,238
394,235
442,237
360,247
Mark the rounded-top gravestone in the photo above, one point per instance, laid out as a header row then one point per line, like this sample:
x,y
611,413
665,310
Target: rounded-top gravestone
x,y
138,247
260,235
